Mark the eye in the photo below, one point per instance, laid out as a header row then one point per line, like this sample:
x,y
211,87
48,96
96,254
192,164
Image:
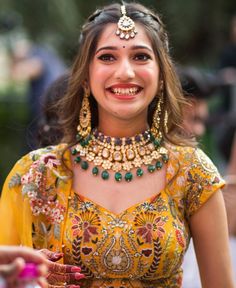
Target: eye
x,y
106,57
142,57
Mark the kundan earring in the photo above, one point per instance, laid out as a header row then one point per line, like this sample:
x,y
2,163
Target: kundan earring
x,y
84,127
157,115
166,122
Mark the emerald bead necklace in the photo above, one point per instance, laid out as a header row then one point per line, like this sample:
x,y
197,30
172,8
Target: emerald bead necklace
x,y
127,157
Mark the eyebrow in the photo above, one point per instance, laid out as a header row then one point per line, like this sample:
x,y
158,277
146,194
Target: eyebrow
x,y
135,47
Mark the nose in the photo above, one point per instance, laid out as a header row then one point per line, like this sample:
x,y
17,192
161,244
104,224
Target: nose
x,y
125,70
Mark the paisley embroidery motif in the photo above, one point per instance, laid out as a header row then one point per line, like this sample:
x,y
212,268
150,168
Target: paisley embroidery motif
x,y
117,258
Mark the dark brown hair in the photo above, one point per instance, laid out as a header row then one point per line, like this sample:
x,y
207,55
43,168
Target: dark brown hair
x,y
70,104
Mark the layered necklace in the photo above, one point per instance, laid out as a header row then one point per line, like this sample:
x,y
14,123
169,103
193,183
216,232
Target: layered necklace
x,y
127,157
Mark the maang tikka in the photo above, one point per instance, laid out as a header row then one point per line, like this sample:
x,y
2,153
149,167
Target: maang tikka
x,y
126,27
84,127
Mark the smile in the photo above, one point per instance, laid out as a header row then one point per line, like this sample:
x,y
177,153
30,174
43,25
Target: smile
x,y
125,91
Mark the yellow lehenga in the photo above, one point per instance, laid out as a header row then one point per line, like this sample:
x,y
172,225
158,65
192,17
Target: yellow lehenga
x,y
143,246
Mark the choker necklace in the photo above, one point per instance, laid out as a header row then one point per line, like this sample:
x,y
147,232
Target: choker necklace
x,y
121,155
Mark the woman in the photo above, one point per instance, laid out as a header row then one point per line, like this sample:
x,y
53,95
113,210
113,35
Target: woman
x,y
123,198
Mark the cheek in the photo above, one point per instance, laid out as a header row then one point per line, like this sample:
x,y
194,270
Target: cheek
x,y
149,75
100,71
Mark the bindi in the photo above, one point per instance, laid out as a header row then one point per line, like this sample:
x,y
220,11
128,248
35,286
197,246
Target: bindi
x,y
123,46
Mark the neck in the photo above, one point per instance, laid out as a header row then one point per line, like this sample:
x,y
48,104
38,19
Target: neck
x,y
122,128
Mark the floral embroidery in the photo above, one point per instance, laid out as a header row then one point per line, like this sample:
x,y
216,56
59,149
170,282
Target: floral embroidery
x,y
147,252
43,200
145,220
76,225
158,226
14,181
86,224
86,250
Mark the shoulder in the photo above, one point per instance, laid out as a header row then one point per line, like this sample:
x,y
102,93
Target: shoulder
x,y
42,178
200,177
42,159
193,166
192,158
46,155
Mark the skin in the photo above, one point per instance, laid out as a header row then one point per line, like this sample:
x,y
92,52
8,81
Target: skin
x,y
120,65
13,259
60,273
230,189
210,236
12,262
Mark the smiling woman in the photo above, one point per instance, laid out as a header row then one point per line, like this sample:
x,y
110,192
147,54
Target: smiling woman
x,y
128,81
124,192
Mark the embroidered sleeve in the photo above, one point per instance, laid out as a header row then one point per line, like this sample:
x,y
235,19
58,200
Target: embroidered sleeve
x,y
13,208
40,185
36,189
203,179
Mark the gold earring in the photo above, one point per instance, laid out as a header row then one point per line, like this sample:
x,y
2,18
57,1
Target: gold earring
x,y
157,119
166,122
84,127
157,114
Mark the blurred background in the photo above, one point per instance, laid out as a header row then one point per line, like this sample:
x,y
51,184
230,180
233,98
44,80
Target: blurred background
x,y
48,31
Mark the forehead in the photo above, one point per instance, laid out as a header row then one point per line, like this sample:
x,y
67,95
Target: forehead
x,y
109,37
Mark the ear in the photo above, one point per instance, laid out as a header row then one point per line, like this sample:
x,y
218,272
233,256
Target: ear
x,y
86,85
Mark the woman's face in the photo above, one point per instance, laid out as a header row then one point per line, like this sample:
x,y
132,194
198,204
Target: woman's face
x,y
123,76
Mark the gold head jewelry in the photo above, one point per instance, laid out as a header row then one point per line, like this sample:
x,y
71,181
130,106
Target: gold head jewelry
x,y
126,27
84,127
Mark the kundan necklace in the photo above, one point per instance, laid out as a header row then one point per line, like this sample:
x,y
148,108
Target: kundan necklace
x,y
126,157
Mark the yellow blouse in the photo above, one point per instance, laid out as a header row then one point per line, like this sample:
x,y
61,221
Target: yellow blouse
x,y
141,247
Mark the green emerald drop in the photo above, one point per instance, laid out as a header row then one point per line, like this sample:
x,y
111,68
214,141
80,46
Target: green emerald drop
x,y
77,159
83,143
78,137
105,175
165,158
84,165
95,171
139,172
128,176
118,176
159,165
73,151
152,138
86,142
151,168
157,143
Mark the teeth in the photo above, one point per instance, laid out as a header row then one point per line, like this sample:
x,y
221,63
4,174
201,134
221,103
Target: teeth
x,y
125,91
